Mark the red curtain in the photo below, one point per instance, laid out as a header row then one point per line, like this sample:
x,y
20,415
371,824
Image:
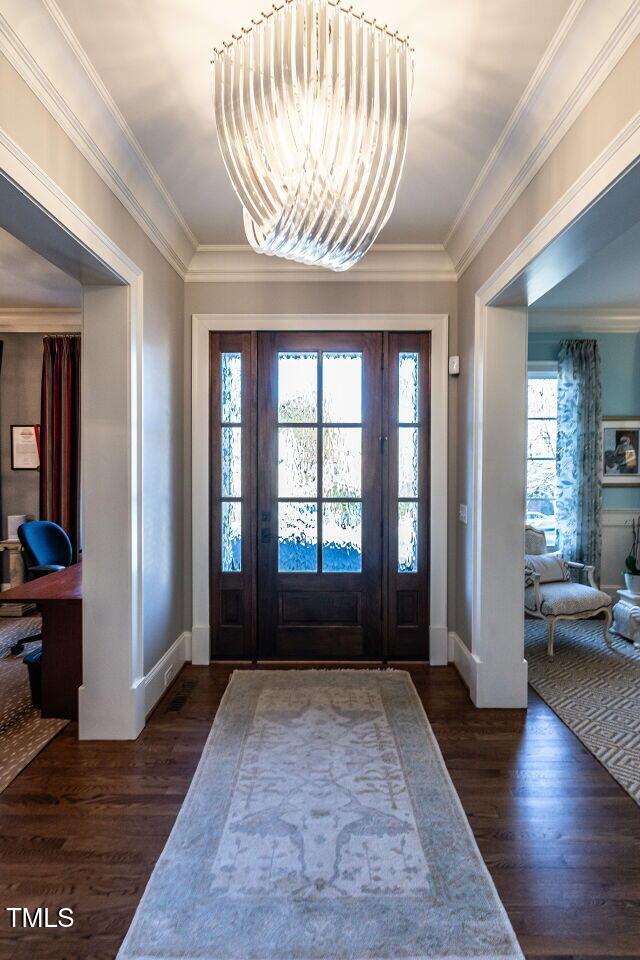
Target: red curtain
x,y
60,436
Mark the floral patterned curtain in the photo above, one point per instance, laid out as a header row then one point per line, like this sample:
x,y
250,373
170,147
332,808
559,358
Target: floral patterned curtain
x,y
579,489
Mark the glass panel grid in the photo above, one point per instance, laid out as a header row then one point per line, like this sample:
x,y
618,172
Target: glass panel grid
x,y
342,387
342,537
231,536
408,462
231,461
407,536
297,462
408,387
342,462
231,387
297,537
297,387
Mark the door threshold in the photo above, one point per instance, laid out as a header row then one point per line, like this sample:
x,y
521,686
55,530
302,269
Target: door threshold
x,y
319,664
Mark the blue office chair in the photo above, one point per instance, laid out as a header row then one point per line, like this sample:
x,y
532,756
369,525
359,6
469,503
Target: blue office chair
x,y
46,548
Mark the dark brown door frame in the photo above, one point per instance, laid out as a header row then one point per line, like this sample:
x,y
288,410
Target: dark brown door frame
x,y
403,597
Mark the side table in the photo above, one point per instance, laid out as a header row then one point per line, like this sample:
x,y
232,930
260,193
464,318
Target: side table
x,y
626,615
16,578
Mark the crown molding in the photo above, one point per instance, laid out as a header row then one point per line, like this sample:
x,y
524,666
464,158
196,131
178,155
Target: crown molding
x,y
386,263
39,43
40,320
589,42
589,320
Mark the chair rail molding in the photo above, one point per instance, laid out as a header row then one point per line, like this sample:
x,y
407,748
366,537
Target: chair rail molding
x,y
202,326
40,44
587,45
403,262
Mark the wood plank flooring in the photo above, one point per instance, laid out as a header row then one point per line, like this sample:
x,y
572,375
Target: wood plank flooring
x,y
83,825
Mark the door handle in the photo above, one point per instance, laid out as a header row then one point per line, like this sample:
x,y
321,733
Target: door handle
x,y
265,535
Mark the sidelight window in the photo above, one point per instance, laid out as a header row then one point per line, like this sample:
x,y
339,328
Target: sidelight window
x,y
231,461
408,460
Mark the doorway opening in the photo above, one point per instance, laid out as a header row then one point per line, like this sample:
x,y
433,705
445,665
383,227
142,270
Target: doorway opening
x,y
320,495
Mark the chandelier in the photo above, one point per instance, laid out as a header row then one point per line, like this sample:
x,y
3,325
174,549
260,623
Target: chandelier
x,y
311,108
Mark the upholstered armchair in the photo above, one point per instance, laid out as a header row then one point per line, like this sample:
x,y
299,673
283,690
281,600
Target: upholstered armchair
x,y
550,592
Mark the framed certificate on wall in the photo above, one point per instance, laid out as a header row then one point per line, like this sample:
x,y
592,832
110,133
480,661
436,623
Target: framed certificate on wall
x,y
25,446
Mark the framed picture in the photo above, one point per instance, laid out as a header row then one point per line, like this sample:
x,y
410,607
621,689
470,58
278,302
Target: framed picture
x,y
25,446
621,451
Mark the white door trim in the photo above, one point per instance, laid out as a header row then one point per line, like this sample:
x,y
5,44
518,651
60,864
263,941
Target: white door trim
x,y
202,325
501,673
111,699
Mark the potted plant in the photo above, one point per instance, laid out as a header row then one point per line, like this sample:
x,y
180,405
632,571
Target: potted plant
x,y
632,563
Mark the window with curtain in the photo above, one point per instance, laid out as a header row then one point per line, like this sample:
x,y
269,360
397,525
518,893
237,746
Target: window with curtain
x,y
542,431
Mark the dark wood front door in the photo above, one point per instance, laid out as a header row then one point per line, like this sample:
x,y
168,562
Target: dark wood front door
x,y
319,543
320,495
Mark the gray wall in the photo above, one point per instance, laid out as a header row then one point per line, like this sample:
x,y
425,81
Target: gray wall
x,y
27,121
19,403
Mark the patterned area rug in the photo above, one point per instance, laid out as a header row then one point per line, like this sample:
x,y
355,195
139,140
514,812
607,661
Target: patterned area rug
x,y
321,824
23,733
595,689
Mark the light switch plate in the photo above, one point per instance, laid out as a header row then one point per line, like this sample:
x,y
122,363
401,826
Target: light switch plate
x,y
454,366
462,512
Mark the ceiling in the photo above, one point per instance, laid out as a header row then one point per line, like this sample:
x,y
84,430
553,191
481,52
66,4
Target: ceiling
x,y
473,60
27,280
608,281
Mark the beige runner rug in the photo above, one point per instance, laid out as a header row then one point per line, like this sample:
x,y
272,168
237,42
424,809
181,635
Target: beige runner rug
x,y
321,823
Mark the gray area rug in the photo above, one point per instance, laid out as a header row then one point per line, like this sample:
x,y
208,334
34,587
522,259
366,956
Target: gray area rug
x,y
321,824
595,689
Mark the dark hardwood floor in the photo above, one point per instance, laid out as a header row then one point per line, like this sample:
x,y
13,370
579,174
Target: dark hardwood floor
x,y
82,826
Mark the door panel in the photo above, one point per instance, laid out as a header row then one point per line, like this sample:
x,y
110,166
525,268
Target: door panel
x,y
319,546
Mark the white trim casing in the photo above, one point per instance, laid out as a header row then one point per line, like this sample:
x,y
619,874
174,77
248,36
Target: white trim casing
x,y
163,674
384,263
202,325
111,699
39,43
590,40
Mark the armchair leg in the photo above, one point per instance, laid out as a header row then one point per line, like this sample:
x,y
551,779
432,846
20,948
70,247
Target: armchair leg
x,y
550,626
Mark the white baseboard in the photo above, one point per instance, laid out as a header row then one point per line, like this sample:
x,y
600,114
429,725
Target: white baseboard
x,y
476,676
166,670
465,662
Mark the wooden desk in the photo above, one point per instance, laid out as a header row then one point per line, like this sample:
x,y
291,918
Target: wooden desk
x,y
59,599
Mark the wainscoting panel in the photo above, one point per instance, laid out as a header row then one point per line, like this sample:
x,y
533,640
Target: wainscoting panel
x,y
616,541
